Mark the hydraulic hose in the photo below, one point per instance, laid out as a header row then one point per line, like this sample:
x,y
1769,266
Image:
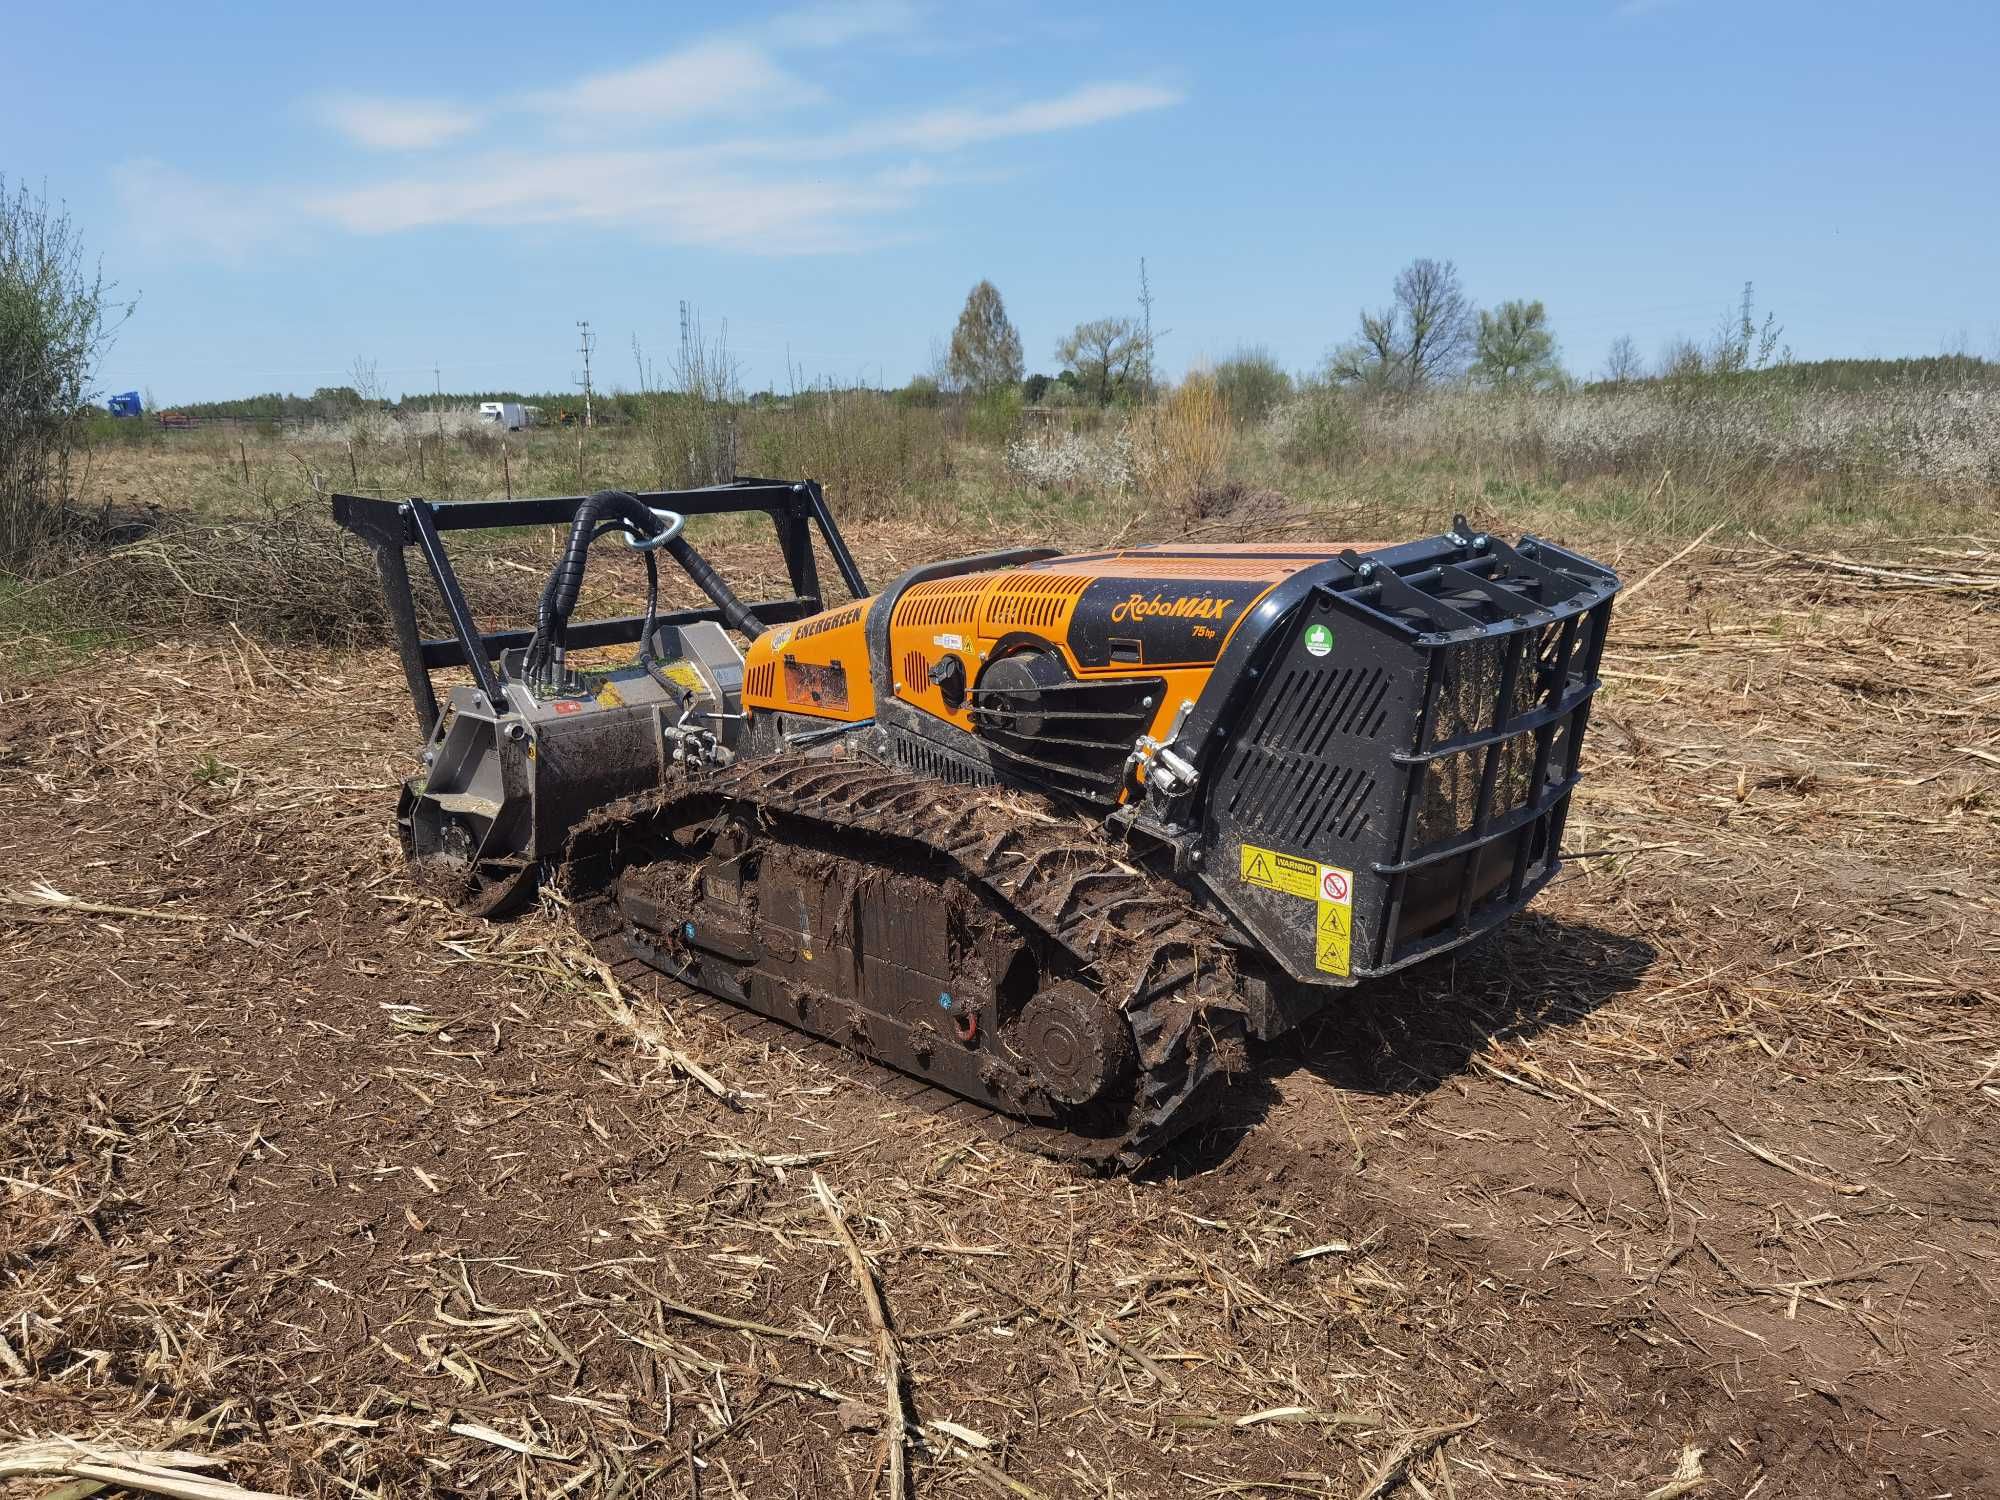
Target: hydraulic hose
x,y
599,515
735,613
615,508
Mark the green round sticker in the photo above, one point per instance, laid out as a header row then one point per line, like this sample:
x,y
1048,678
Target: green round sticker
x,y
1319,640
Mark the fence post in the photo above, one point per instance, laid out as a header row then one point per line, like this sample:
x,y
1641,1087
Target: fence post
x,y
243,453
507,468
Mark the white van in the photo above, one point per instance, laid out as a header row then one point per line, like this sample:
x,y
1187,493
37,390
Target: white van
x,y
508,414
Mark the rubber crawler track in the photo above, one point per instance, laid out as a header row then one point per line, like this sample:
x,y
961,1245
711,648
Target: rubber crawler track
x,y
1140,938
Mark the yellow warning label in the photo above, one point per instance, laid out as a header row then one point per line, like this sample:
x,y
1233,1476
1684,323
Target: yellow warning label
x,y
1335,920
1286,873
608,696
1330,954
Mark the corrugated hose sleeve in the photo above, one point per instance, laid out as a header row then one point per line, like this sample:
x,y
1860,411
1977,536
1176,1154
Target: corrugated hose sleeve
x,y
735,613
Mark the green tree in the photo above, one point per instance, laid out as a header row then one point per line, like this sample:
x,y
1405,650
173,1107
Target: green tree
x,y
1515,349
333,402
1104,355
985,349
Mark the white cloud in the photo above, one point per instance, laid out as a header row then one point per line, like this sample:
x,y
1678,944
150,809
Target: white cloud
x,y
839,22
397,124
847,182
953,129
705,80
167,208
678,196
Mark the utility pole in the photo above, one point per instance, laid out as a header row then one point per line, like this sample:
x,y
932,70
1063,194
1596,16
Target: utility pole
x,y
585,342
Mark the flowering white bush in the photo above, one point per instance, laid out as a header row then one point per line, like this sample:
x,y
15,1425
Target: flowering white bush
x,y
1927,433
1072,460
377,428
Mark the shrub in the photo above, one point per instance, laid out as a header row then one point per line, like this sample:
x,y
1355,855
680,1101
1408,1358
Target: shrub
x,y
1317,427
1183,441
1253,384
1071,461
56,319
866,447
691,430
996,416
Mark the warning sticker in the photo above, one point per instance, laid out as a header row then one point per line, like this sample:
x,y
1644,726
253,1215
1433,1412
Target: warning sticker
x,y
1335,939
1328,887
1286,873
1330,954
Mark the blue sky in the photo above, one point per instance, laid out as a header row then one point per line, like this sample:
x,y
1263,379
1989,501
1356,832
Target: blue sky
x,y
291,187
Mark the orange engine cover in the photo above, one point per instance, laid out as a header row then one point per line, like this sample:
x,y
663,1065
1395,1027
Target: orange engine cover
x,y
1161,612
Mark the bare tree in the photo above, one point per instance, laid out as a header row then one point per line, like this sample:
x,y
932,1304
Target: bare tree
x,y
1437,322
1105,354
1422,339
1622,365
1740,344
1375,358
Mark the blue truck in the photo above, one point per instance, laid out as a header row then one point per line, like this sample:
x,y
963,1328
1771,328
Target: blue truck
x,y
126,404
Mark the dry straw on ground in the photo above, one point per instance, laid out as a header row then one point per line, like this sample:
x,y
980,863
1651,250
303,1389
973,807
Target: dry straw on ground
x,y
362,1197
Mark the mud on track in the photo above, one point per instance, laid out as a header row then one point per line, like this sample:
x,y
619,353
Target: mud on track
x,y
301,1168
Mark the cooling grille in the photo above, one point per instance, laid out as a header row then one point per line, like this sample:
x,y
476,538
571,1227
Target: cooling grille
x,y
944,601
761,681
1035,600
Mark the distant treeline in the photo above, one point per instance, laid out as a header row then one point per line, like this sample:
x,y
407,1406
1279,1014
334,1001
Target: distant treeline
x,y
336,403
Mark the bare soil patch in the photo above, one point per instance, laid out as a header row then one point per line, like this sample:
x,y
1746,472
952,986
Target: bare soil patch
x,y
302,1168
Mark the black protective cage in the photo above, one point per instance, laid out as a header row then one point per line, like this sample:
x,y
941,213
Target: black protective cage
x,y
391,527
1433,753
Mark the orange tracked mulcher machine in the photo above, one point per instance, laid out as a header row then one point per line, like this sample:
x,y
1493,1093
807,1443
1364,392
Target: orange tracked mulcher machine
x,y
1055,835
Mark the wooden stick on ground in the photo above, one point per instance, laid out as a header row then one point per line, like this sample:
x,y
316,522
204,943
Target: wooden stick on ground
x,y
897,1423
1691,546
147,1473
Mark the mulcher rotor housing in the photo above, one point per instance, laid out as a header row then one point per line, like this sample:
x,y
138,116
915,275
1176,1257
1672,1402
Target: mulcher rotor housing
x,y
1055,836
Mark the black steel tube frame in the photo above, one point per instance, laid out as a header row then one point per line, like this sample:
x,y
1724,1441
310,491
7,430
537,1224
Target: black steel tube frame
x,y
391,527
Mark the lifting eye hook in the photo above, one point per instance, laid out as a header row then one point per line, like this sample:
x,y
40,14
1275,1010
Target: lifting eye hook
x,y
966,1023
671,524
